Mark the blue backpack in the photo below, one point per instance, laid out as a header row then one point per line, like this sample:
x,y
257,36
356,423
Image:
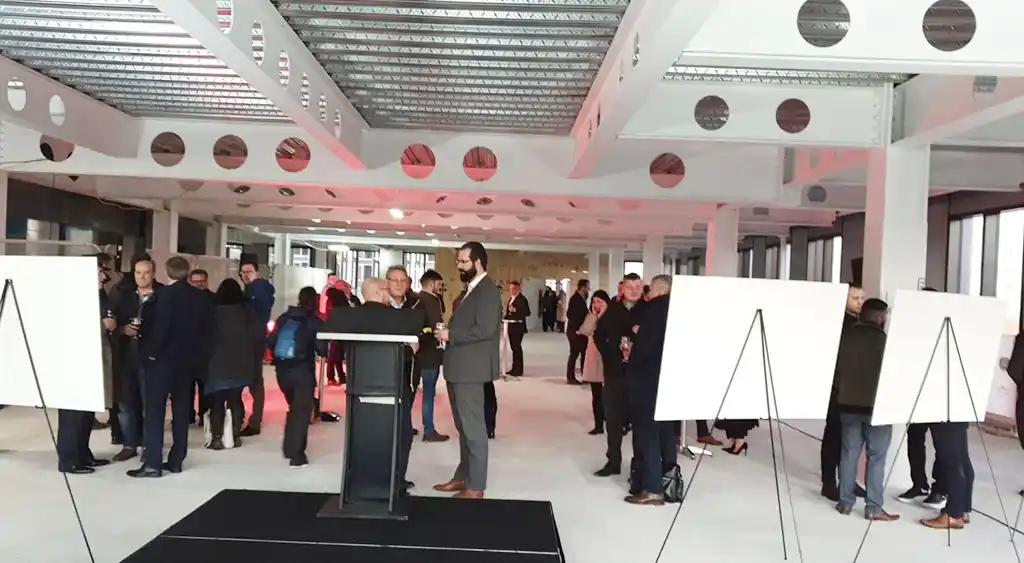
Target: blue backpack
x,y
292,341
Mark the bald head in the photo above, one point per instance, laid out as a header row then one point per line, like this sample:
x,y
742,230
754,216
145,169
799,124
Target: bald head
x,y
375,291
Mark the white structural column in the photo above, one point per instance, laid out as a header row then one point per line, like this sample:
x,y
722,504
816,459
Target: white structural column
x,y
616,264
165,228
594,270
216,239
282,250
298,95
721,258
650,38
3,212
896,242
654,256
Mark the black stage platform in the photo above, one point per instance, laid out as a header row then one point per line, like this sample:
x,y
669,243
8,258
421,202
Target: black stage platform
x,y
257,526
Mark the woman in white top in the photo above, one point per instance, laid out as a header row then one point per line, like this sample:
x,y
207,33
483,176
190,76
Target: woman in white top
x,y
593,368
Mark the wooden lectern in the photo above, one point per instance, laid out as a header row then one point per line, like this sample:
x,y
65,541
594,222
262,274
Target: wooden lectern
x,y
370,484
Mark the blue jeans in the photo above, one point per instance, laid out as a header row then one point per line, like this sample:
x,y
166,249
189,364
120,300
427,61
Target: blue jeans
x,y
429,377
858,434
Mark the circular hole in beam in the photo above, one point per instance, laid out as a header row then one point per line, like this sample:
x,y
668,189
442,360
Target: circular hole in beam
x,y
418,161
230,152
949,25
293,155
167,149
823,23
793,116
667,170
711,113
480,164
17,96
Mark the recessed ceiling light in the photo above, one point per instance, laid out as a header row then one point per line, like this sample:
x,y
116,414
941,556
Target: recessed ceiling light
x,y
435,242
316,220
241,189
429,234
396,213
400,233
454,227
585,272
287,192
485,228
340,230
423,225
369,232
348,222
311,228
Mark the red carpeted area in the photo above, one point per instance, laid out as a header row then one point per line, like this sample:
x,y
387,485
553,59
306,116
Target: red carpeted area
x,y
256,526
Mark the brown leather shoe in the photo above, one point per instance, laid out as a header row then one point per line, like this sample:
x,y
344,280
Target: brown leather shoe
x,y
452,486
470,494
944,522
844,510
645,498
709,440
435,437
882,516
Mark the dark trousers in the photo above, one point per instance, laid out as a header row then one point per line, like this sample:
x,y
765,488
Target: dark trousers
x,y
219,403
336,362
163,382
597,404
116,436
548,320
490,407
405,433
298,385
951,448
577,350
73,431
615,394
917,455
256,389
129,408
516,332
831,446
1020,416
654,443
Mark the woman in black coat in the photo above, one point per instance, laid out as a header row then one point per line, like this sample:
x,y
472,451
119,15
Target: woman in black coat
x,y
235,349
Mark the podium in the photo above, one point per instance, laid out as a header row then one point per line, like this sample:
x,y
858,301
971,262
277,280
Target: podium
x,y
371,487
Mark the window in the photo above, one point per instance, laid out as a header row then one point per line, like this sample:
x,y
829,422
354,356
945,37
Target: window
x,y
302,256
417,263
633,267
784,270
1010,258
771,266
966,244
234,251
837,259
354,266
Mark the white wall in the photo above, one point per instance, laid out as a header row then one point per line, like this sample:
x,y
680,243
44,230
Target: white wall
x,y
288,280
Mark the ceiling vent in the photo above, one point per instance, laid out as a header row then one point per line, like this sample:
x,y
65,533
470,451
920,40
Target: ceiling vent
x,y
761,212
817,194
985,84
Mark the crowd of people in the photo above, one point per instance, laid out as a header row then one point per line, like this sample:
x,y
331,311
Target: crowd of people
x,y
174,341
619,341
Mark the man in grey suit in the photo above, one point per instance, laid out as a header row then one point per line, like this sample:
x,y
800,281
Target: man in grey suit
x,y
471,361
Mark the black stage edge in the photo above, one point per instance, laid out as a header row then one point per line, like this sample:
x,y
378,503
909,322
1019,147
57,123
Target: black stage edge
x,y
257,526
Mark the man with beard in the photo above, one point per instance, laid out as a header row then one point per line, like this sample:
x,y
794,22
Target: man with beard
x,y
471,361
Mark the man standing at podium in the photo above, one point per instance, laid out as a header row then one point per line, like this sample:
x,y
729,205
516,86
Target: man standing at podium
x,y
471,360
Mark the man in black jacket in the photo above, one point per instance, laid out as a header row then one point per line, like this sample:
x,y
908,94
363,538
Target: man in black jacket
x,y
173,348
517,310
832,436
653,442
430,354
397,279
575,314
858,368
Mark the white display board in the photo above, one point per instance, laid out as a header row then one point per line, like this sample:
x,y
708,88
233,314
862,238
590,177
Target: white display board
x,y
915,320
708,321
59,301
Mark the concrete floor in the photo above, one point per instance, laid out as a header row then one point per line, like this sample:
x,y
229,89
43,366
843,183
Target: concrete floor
x,y
542,452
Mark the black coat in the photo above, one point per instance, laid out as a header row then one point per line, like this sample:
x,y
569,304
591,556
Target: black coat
x,y
858,367
649,340
575,313
236,338
174,329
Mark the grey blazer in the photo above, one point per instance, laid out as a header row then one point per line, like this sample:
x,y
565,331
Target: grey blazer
x,y
474,337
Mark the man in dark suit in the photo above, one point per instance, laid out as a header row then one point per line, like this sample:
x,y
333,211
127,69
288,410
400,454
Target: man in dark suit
x,y
430,355
575,313
173,347
471,360
653,442
517,310
832,436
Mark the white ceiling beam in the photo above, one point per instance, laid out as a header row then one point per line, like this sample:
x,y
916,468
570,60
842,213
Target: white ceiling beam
x,y
839,116
311,98
883,37
48,107
939,109
526,165
649,39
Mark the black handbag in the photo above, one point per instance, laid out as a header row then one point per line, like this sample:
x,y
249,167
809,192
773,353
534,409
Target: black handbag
x,y
672,482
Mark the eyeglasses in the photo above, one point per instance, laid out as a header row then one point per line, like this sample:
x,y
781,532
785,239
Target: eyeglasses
x,y
396,280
